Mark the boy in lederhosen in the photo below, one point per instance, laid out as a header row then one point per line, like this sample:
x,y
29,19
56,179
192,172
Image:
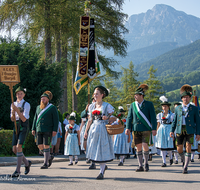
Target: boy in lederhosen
x,y
20,111
186,123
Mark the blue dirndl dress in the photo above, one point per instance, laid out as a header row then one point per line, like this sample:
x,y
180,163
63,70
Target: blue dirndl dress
x,y
121,145
99,142
71,143
163,139
82,136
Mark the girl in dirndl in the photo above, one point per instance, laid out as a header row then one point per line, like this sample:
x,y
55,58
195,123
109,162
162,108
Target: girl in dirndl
x,y
163,140
72,139
99,142
121,141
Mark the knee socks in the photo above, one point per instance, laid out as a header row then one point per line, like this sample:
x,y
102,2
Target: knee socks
x,y
121,159
192,155
19,161
140,158
187,159
170,155
102,167
146,156
46,156
163,154
182,156
71,159
76,158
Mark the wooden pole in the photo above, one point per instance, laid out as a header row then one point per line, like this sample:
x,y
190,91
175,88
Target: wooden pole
x,y
12,99
88,92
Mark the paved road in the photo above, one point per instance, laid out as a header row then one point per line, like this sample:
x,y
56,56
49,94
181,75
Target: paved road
x,y
61,176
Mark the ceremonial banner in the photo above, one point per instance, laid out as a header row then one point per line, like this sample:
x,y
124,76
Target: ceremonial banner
x,y
80,82
195,100
84,46
93,63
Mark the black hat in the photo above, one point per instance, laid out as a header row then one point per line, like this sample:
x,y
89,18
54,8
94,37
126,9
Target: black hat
x,y
72,116
142,89
164,101
177,103
186,90
121,109
20,89
104,89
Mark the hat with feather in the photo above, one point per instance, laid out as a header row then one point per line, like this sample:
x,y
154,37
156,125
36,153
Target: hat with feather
x,y
186,90
72,116
142,89
20,89
121,109
47,94
164,101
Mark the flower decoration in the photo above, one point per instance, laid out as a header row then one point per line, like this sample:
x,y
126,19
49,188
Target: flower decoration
x,y
119,116
163,117
124,120
87,3
96,112
71,127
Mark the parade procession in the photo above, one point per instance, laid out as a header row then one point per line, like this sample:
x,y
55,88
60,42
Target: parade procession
x,y
79,105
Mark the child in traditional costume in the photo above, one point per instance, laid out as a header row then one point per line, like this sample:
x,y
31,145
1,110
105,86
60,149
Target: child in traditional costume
x,y
163,140
72,139
121,141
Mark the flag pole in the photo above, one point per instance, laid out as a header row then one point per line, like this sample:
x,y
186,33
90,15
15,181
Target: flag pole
x,y
87,10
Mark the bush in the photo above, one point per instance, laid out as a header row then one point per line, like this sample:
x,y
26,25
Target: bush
x,y
6,144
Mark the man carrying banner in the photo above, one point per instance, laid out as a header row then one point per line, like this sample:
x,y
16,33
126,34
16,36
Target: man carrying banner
x,y
45,126
142,120
20,111
186,123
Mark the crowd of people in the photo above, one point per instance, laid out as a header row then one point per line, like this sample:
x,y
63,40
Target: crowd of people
x,y
166,133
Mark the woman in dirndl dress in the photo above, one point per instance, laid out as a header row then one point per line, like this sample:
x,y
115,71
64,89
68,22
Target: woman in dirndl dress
x,y
99,143
163,140
72,139
121,141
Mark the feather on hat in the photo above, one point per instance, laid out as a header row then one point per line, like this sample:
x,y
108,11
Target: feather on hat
x,y
186,90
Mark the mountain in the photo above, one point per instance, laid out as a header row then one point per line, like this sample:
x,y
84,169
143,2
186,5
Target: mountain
x,y
144,54
176,67
161,24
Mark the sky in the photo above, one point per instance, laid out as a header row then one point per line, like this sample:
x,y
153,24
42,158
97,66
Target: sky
x,y
191,7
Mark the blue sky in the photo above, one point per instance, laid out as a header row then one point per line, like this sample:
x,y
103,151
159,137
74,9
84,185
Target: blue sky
x,y
191,7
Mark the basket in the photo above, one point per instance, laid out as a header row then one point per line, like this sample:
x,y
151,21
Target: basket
x,y
115,129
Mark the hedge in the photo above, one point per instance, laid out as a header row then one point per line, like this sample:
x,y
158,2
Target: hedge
x,y
30,147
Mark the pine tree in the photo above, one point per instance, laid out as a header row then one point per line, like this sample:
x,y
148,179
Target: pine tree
x,y
155,89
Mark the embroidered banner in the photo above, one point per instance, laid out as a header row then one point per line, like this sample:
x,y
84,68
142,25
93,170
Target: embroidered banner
x,y
84,46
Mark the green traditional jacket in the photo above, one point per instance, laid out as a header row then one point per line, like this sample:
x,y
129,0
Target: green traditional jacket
x,y
192,120
133,122
48,122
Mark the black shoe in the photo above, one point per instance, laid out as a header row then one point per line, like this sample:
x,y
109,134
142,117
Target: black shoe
x,y
176,162
15,174
135,156
70,164
76,161
139,169
27,168
51,160
128,156
192,160
199,156
183,164
163,165
100,176
120,164
146,167
88,161
171,161
92,166
44,167
185,171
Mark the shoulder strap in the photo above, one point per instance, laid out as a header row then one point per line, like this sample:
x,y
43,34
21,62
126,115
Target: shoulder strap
x,y
23,104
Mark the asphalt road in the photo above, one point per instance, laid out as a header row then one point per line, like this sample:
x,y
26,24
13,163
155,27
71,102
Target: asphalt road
x,y
61,176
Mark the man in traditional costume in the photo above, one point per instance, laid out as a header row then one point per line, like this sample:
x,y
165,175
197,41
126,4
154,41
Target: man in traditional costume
x,y
45,126
20,111
142,120
186,123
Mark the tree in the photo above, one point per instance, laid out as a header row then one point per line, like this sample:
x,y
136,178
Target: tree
x,y
155,89
129,84
36,76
